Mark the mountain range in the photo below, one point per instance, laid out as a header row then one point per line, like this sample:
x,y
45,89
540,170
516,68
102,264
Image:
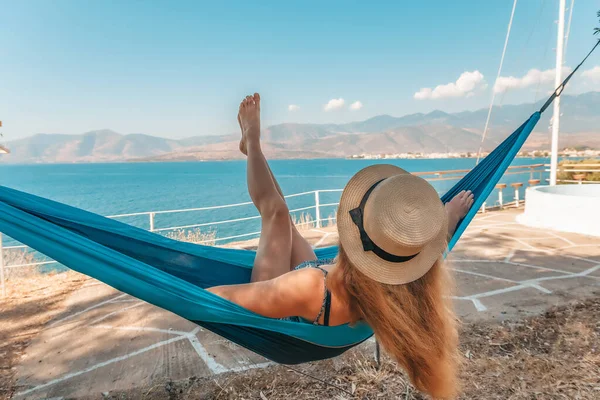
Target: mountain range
x,y
432,132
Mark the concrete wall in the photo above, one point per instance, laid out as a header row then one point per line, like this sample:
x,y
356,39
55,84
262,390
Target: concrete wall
x,y
567,208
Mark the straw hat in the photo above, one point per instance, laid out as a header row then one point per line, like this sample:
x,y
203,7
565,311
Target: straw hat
x,y
392,225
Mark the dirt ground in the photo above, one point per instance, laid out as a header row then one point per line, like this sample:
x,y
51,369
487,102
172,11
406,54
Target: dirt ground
x,y
31,301
552,356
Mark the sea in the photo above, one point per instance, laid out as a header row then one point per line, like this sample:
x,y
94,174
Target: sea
x,y
123,188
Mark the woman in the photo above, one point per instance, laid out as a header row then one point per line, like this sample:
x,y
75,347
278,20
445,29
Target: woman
x,y
393,230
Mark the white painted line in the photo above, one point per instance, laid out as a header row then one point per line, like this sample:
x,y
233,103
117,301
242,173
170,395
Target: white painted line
x,y
92,284
578,245
497,291
581,258
483,275
134,300
251,366
540,288
484,218
100,365
516,240
110,314
560,271
497,225
589,271
561,238
509,256
478,305
210,362
86,310
554,278
322,239
141,329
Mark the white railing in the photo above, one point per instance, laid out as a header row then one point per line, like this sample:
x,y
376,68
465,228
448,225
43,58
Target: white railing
x,y
152,214
317,207
580,172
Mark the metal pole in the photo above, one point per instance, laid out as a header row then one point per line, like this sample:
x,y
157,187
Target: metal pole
x,y
151,222
318,210
557,82
500,199
377,354
2,267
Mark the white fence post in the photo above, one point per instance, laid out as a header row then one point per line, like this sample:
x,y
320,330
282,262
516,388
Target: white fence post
x,y
318,210
151,222
500,187
2,267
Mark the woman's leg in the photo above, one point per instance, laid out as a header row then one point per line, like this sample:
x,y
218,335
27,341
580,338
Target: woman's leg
x,y
301,250
273,256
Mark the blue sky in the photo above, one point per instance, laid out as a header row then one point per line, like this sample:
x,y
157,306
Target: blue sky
x,y
179,69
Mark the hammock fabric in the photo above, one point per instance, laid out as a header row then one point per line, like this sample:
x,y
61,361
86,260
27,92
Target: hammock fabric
x,y
173,275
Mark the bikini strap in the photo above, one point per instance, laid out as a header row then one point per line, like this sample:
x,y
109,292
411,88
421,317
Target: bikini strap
x,y
327,308
326,305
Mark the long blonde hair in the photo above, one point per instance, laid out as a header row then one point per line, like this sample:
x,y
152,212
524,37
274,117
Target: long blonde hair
x,y
415,323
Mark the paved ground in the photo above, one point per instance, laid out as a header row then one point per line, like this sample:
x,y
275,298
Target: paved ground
x,y
108,340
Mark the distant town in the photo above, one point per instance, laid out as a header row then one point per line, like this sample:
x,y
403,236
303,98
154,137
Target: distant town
x,y
568,152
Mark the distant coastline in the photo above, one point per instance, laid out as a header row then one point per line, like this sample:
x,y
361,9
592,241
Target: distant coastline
x,y
523,154
566,153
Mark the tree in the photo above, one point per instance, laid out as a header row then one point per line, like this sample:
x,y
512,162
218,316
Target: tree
x,y
597,30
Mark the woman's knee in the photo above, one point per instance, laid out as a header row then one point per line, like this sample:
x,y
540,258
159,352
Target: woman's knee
x,y
276,209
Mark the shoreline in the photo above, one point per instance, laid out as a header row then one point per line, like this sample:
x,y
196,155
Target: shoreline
x,y
237,160
403,156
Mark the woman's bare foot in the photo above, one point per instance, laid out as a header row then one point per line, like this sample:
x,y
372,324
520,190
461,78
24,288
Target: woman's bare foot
x,y
249,120
457,208
243,148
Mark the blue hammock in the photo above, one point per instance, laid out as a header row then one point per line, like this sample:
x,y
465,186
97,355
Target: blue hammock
x,y
173,275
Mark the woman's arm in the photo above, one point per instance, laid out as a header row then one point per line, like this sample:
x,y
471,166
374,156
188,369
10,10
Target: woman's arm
x,y
295,293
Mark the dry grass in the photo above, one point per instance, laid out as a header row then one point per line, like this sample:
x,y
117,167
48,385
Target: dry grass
x,y
303,221
194,236
330,221
307,221
19,257
553,356
30,303
589,176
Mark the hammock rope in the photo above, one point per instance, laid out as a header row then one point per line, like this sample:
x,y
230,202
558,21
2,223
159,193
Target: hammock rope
x,y
489,114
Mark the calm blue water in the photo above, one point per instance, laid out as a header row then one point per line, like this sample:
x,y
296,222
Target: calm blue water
x,y
110,189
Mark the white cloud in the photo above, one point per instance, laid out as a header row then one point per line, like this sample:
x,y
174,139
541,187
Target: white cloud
x,y
334,104
357,105
532,77
592,74
293,107
466,85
